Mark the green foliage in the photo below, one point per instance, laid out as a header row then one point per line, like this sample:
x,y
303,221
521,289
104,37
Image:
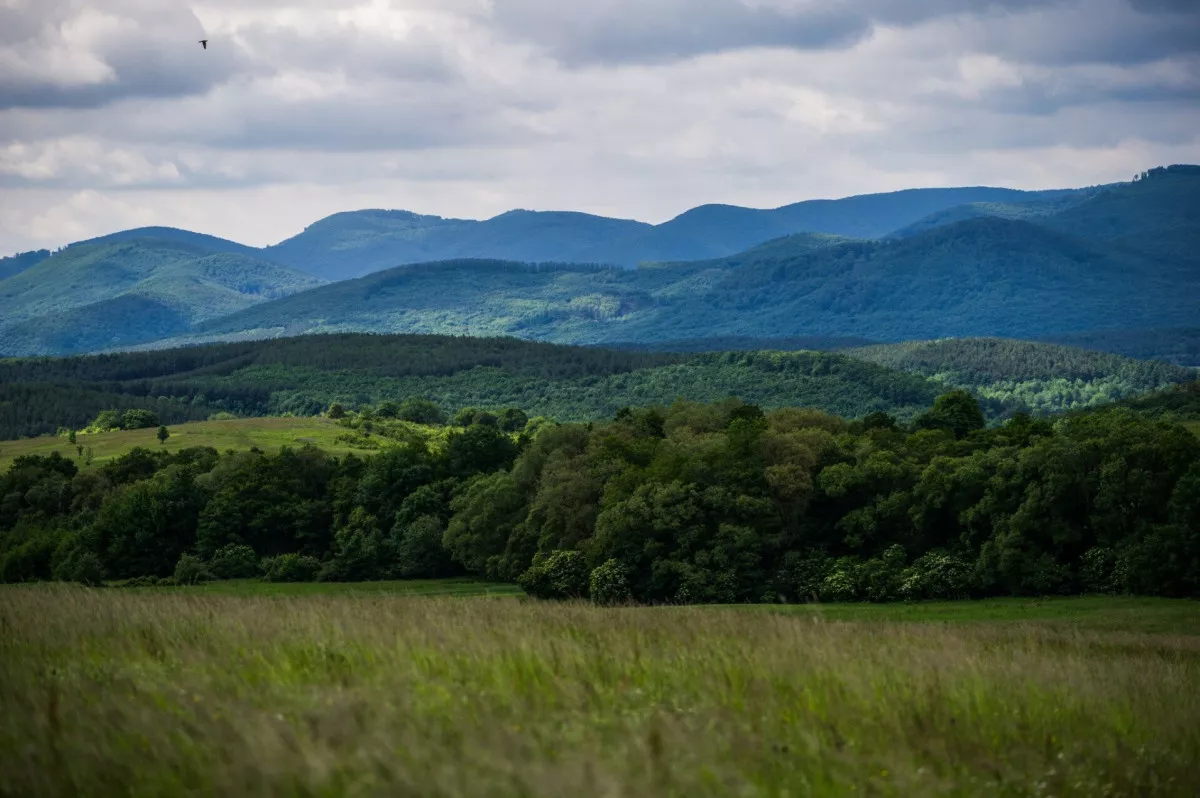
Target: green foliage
x,y
191,570
689,503
421,411
419,551
163,434
138,419
96,295
608,584
562,575
234,562
291,567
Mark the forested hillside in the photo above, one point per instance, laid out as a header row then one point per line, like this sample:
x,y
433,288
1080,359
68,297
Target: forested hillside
x,y
15,264
692,503
981,277
115,293
305,375
356,243
1178,345
1041,377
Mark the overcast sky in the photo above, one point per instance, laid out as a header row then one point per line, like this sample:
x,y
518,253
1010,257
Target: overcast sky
x,y
112,116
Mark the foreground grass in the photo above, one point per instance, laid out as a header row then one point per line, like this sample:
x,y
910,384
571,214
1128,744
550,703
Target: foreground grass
x,y
1089,613
182,692
238,434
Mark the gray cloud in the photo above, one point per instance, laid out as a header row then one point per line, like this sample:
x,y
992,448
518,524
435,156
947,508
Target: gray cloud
x,y
111,116
613,31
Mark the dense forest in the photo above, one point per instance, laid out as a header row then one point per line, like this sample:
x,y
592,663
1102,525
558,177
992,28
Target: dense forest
x,y
981,276
303,375
1038,377
685,504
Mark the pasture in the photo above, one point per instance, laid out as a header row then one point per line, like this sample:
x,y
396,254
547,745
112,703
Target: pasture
x,y
239,434
236,691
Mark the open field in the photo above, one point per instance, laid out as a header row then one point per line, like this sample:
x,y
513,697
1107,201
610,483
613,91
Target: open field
x,y
434,588
190,692
1194,426
268,434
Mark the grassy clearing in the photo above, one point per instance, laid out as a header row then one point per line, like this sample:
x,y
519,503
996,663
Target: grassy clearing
x,y
239,434
1194,426
185,692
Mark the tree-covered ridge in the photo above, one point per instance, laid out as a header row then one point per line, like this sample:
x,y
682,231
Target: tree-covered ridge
x,y
1178,345
302,376
1039,377
691,503
95,296
357,243
15,264
981,277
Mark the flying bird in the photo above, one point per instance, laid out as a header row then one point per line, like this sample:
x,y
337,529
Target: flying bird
x,y
204,43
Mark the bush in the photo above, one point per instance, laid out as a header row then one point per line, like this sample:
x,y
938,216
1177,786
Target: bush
x,y
882,577
138,419
802,575
291,568
191,570
1098,570
234,562
84,567
562,575
421,411
609,584
841,584
938,575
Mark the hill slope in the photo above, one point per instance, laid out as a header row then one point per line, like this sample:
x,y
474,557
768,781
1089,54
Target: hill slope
x,y
354,244
91,296
1043,377
980,277
15,264
303,375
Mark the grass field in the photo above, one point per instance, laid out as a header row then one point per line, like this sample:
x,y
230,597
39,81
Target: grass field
x,y
435,588
268,434
1194,426
181,692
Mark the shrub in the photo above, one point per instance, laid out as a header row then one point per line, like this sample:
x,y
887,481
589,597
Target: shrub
x,y
609,583
234,562
138,419
882,577
421,411
802,575
1098,570
191,570
938,575
841,584
291,568
562,575
84,567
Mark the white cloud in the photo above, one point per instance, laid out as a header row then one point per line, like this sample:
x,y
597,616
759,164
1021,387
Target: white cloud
x,y
111,115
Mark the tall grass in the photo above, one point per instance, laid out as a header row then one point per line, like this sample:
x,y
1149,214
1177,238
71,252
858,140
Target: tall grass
x,y
110,692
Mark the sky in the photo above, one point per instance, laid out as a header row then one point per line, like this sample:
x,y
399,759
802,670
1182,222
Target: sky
x,y
112,116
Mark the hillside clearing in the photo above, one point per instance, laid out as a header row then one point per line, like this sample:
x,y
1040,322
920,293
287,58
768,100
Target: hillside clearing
x,y
239,434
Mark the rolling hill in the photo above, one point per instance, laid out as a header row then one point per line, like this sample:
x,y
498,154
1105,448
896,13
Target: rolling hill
x,y
15,264
354,244
303,375
1044,378
113,293
979,277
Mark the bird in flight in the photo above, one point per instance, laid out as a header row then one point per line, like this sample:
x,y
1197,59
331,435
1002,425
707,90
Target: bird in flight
x,y
204,43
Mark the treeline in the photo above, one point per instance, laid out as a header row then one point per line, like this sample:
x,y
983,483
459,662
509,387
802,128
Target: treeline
x,y
302,376
689,503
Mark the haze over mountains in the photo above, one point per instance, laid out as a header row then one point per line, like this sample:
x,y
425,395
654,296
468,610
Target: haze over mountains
x,y
887,267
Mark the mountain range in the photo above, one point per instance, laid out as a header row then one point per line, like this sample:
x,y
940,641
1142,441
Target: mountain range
x,y
1107,264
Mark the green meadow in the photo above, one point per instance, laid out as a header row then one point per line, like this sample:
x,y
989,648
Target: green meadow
x,y
245,691
239,434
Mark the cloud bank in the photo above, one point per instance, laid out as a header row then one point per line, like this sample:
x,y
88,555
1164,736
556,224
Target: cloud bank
x,y
111,115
